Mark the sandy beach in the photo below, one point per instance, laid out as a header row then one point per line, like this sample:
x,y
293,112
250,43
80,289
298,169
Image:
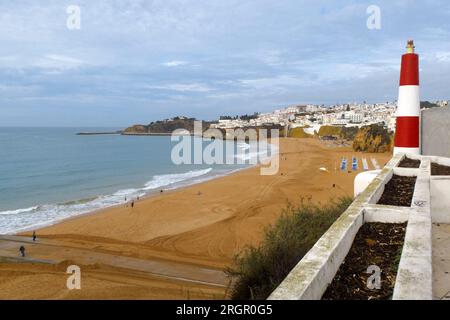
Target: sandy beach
x,y
173,245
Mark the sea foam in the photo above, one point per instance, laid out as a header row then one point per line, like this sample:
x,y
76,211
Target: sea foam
x,y
13,221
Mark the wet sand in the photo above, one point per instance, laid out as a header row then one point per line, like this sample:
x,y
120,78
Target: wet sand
x,y
123,251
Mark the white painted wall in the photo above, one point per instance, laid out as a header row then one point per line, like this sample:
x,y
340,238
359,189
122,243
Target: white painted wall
x,y
440,199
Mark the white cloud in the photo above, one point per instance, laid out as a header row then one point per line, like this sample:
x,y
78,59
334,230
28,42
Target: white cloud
x,y
175,63
49,63
277,81
443,56
270,57
64,59
183,87
253,53
56,63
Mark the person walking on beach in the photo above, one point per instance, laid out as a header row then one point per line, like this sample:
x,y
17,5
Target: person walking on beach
x,y
34,236
132,204
22,251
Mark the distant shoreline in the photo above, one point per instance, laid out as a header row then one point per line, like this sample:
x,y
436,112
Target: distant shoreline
x,y
129,133
152,134
97,133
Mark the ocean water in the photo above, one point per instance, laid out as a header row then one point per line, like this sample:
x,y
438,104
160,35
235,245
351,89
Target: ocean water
x,y
50,174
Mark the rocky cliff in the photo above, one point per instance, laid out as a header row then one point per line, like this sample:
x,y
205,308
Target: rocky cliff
x,y
373,138
165,126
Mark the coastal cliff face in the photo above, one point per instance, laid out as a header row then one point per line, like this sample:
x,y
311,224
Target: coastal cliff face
x,y
347,133
138,128
166,126
298,133
373,138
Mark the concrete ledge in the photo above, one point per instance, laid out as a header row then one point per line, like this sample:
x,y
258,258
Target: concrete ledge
x,y
310,278
441,161
414,275
385,214
406,172
312,275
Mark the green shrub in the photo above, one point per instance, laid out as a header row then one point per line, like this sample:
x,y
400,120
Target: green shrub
x,y
257,271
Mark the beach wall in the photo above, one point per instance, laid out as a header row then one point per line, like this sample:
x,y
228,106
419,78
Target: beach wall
x,y
435,133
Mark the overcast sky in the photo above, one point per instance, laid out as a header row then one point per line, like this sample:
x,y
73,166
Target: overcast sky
x,y
138,61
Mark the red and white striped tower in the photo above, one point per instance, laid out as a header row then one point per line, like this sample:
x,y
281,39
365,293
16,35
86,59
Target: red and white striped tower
x,y
407,132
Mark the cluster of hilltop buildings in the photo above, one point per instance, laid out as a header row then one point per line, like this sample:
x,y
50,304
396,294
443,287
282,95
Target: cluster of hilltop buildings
x,y
315,116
